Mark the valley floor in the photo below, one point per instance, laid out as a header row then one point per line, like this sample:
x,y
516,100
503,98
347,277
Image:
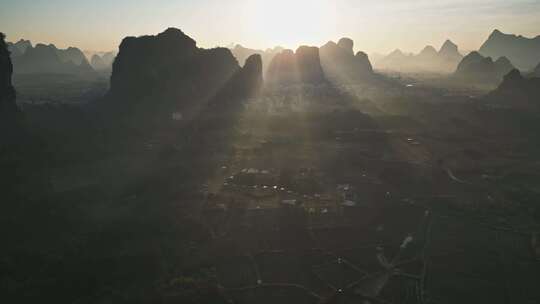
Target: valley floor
x,y
312,195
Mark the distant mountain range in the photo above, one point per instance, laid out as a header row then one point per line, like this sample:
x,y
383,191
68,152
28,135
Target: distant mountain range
x,y
48,59
429,59
523,52
479,69
332,61
18,48
242,53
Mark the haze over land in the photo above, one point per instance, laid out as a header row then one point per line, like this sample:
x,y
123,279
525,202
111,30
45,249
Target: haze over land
x,y
163,170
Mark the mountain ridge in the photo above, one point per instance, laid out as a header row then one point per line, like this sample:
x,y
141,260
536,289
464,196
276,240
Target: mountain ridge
x,y
428,59
522,51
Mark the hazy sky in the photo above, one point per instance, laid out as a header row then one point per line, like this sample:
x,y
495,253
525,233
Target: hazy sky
x,y
376,26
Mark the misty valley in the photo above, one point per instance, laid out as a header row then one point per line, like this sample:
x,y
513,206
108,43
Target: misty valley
x,y
165,172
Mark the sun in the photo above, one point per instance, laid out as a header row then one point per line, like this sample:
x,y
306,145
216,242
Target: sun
x,y
290,22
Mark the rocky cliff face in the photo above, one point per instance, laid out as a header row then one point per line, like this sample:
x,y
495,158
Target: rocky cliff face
x,y
7,92
158,75
477,68
523,52
340,64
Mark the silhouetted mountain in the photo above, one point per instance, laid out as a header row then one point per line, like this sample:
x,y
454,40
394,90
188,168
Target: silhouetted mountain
x,y
347,45
394,61
362,59
241,53
428,60
23,45
73,55
283,69
309,64
102,62
340,63
13,50
517,91
108,58
47,59
523,52
449,52
7,92
479,69
470,59
19,48
397,55
76,56
97,63
503,66
302,66
428,53
39,58
168,73
245,83
251,76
